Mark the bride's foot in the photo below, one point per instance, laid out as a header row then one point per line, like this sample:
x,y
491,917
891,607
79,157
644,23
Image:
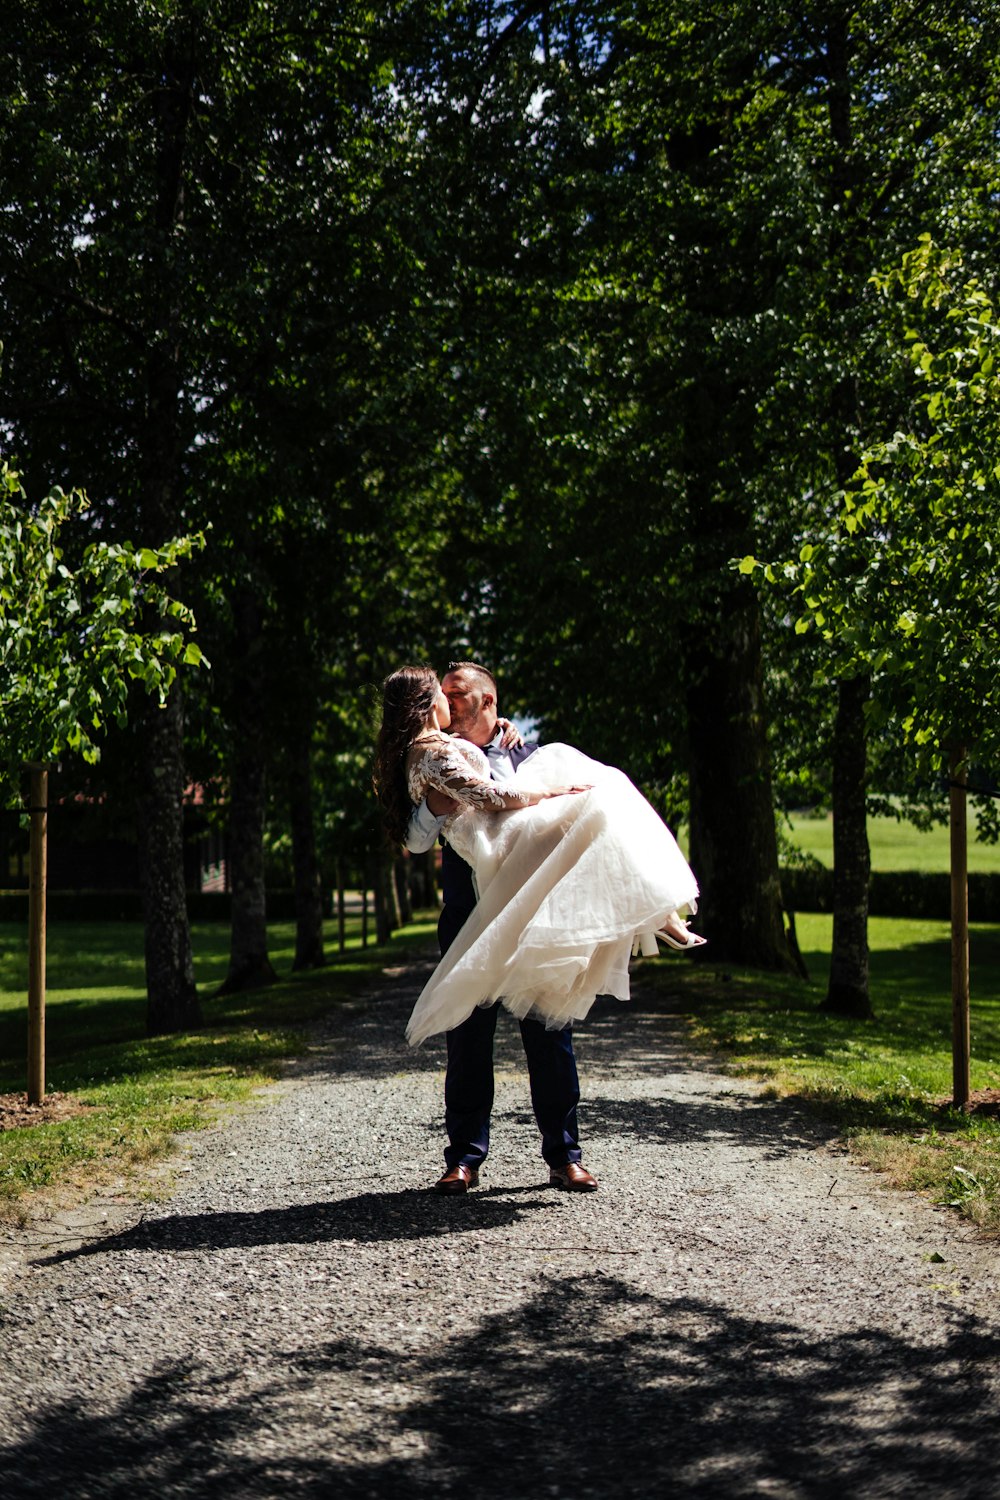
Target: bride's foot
x,y
676,934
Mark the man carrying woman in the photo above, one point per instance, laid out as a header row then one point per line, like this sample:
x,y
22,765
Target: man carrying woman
x,y
555,869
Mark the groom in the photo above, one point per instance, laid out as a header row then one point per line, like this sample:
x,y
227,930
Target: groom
x,y
471,691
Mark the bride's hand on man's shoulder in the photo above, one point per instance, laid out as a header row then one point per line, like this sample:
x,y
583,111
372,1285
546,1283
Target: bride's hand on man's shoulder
x,y
510,736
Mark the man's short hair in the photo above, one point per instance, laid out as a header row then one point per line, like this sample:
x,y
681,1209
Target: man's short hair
x,y
474,666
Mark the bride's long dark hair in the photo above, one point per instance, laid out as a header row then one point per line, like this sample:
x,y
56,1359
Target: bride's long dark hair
x,y
407,699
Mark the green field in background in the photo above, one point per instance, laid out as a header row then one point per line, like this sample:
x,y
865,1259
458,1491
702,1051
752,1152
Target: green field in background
x,y
894,846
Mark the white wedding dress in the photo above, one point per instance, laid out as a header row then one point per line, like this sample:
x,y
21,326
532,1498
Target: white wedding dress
x,y
568,888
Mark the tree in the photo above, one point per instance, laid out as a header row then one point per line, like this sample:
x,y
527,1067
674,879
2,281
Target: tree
x,y
596,434
73,639
204,274
878,116
902,585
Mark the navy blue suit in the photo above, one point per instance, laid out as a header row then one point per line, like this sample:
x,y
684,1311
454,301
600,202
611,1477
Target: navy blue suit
x,y
468,1089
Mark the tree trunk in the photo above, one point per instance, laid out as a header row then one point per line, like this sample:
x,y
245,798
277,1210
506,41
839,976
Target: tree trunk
x,y
309,953
734,848
341,915
401,869
249,965
848,993
422,880
172,1003
172,999
382,883
961,1042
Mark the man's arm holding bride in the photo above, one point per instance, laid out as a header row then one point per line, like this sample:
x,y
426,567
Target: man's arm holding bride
x,y
427,820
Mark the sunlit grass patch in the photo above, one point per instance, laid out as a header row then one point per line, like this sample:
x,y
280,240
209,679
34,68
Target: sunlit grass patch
x,y
137,1092
894,845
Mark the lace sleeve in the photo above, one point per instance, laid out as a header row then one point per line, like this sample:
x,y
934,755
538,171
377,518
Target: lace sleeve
x,y
451,768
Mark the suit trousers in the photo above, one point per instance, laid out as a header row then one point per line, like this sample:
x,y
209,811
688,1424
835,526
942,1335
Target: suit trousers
x,y
468,1088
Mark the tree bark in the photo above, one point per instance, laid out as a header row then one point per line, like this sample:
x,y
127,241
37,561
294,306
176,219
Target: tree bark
x,y
848,992
383,897
961,1082
172,999
422,880
249,964
402,869
734,847
309,952
341,915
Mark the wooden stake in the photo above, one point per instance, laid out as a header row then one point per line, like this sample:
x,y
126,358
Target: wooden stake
x,y
37,876
960,1034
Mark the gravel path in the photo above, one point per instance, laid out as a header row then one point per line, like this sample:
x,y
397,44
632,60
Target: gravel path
x,y
739,1311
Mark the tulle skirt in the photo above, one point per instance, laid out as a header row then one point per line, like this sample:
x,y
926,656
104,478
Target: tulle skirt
x,y
567,890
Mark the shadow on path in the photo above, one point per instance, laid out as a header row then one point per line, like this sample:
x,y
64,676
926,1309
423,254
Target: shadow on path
x,y
366,1038
367,1218
766,1128
589,1388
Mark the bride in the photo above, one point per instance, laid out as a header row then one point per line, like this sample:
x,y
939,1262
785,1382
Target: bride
x,y
574,870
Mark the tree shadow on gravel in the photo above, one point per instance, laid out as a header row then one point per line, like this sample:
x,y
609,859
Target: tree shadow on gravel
x,y
590,1388
366,1040
769,1128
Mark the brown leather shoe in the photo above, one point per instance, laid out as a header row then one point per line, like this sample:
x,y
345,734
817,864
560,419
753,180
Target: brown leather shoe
x,y
458,1180
572,1178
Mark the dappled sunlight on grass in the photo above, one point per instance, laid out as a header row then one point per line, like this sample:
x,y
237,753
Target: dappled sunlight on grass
x,y
137,1091
94,1003
910,968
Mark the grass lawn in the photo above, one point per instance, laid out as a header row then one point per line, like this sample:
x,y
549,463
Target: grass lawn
x,y
894,845
881,1082
140,1091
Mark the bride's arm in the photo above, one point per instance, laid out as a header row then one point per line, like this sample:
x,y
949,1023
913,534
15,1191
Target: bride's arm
x,y
444,767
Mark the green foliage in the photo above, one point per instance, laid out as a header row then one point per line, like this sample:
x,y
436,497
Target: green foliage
x,y
902,580
859,128
73,639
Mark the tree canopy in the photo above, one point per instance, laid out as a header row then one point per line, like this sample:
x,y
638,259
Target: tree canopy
x,y
903,583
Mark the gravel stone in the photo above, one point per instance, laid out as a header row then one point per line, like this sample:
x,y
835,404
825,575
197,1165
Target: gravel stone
x,y
740,1310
